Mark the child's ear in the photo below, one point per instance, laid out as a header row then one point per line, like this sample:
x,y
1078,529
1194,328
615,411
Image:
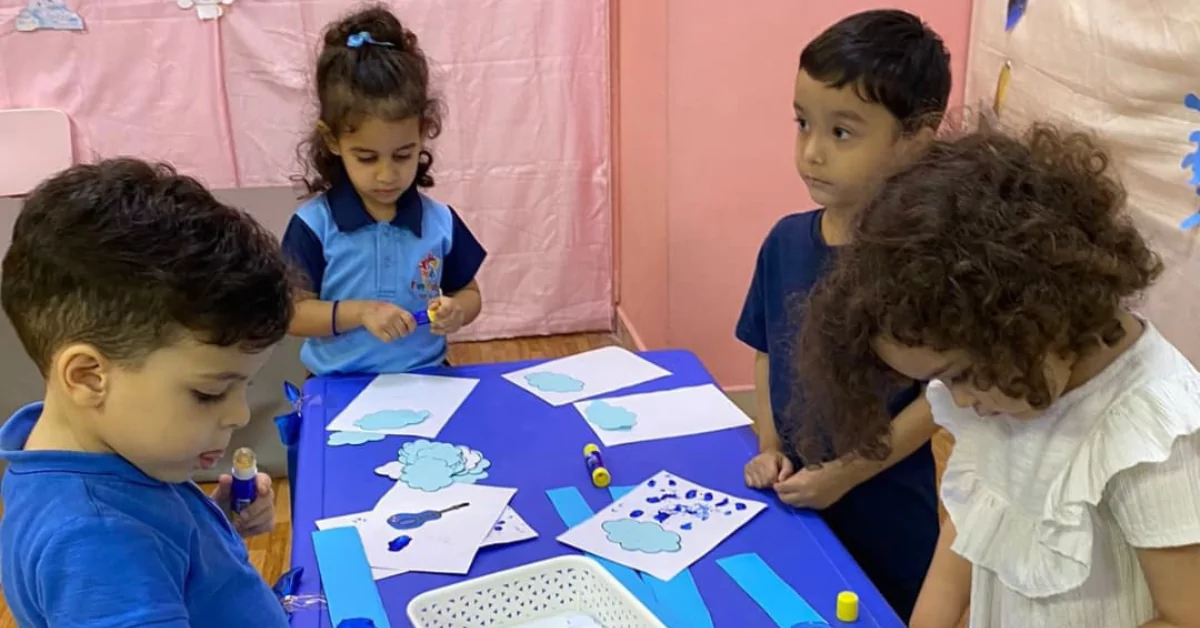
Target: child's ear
x,y
912,145
83,374
327,136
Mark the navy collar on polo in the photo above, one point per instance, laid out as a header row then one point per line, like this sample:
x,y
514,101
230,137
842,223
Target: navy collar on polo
x,y
349,212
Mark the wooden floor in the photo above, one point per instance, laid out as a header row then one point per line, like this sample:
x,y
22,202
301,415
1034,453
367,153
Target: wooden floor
x,y
271,553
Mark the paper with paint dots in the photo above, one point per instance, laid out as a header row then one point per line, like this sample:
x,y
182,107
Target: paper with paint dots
x,y
446,543
404,404
663,525
662,414
586,375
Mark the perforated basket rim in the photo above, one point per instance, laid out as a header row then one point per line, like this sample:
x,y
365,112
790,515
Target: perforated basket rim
x,y
549,564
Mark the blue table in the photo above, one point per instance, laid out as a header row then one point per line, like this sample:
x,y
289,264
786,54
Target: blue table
x,y
534,447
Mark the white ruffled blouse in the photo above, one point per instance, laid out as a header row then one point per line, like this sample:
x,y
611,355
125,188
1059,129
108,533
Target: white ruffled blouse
x,y
1050,511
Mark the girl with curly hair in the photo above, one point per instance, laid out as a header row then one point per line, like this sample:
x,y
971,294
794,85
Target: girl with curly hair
x,y
1002,271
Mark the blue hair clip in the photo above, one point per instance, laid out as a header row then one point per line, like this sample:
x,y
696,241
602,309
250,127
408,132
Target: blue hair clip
x,y
363,37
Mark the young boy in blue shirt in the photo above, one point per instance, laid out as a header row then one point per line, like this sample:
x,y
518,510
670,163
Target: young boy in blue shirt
x,y
147,305
869,94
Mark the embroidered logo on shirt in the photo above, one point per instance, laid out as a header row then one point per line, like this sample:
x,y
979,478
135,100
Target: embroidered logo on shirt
x,y
429,286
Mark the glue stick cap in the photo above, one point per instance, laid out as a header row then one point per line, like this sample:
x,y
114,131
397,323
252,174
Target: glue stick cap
x,y
245,463
601,477
590,449
847,606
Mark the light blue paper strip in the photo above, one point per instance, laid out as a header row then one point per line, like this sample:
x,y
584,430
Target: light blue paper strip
x,y
678,597
350,591
779,600
574,510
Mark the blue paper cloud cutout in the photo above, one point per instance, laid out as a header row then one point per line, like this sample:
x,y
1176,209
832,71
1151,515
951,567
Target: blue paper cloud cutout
x,y
392,419
641,536
610,417
554,382
337,439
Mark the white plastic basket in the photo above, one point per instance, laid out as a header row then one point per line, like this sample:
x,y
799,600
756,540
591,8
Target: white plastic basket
x,y
530,592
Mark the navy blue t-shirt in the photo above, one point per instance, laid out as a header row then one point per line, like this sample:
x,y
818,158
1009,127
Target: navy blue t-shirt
x,y
890,522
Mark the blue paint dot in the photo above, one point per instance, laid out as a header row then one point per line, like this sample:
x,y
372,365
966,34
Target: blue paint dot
x,y
722,502
740,506
686,526
671,482
636,513
653,500
662,516
653,483
691,494
708,497
498,528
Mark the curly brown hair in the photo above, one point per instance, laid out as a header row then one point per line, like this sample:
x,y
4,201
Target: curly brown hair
x,y
388,79
1008,249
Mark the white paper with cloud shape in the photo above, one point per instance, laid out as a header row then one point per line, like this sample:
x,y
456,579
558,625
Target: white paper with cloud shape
x,y
585,375
662,526
404,404
447,544
662,414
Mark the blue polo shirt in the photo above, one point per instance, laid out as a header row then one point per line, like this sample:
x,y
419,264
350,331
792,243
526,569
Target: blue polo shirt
x,y
890,522
89,540
346,254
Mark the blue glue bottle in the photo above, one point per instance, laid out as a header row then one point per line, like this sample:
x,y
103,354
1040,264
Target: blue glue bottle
x,y
425,318
245,485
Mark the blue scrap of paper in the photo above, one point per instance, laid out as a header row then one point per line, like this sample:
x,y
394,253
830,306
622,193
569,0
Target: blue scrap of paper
x,y
1016,11
769,591
1191,161
392,419
350,591
337,439
48,15
609,417
546,381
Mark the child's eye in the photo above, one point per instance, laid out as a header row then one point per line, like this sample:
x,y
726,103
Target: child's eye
x,y
404,157
206,398
366,160
841,134
802,123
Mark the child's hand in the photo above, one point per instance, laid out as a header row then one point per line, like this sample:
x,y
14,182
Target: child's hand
x,y
816,488
768,468
388,321
255,519
448,317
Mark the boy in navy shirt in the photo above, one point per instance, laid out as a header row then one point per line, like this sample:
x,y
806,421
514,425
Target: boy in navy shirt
x,y
147,305
869,94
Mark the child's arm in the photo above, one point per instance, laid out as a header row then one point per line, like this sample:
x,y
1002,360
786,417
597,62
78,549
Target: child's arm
x,y
947,589
1174,577
764,417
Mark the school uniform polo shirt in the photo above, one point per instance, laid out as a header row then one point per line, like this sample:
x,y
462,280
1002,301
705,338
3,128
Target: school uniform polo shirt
x,y
425,250
88,540
890,522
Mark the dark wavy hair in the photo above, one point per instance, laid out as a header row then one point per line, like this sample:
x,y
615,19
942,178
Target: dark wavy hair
x,y
126,256
389,81
1008,249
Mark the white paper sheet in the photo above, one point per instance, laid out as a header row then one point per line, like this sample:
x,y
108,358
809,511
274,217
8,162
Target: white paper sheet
x,y
662,526
585,375
446,545
404,404
661,414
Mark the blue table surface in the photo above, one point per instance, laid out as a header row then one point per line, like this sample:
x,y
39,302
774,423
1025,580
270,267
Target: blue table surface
x,y
534,447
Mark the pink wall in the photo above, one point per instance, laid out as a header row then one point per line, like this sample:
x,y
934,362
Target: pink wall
x,y
704,155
